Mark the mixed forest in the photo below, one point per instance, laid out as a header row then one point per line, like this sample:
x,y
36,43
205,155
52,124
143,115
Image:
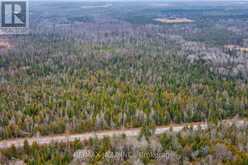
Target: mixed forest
x,y
104,70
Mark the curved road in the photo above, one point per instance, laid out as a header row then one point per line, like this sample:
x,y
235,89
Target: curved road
x,y
128,132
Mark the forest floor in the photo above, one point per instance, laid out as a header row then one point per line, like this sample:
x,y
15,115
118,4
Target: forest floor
x,y
133,132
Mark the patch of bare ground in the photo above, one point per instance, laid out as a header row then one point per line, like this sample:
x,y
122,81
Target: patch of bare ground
x,y
161,5
4,44
236,48
173,20
96,6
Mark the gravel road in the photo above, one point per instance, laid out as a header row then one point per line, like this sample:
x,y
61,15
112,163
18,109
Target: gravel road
x,y
128,132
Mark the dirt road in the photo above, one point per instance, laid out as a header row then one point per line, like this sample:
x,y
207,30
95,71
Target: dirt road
x,y
128,132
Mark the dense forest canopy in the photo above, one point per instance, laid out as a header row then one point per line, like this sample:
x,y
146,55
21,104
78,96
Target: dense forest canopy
x,y
93,66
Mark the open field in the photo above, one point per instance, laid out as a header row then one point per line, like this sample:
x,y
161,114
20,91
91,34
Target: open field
x,y
96,6
173,21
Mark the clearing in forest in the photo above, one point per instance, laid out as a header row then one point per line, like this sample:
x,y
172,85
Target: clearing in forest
x,y
173,20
